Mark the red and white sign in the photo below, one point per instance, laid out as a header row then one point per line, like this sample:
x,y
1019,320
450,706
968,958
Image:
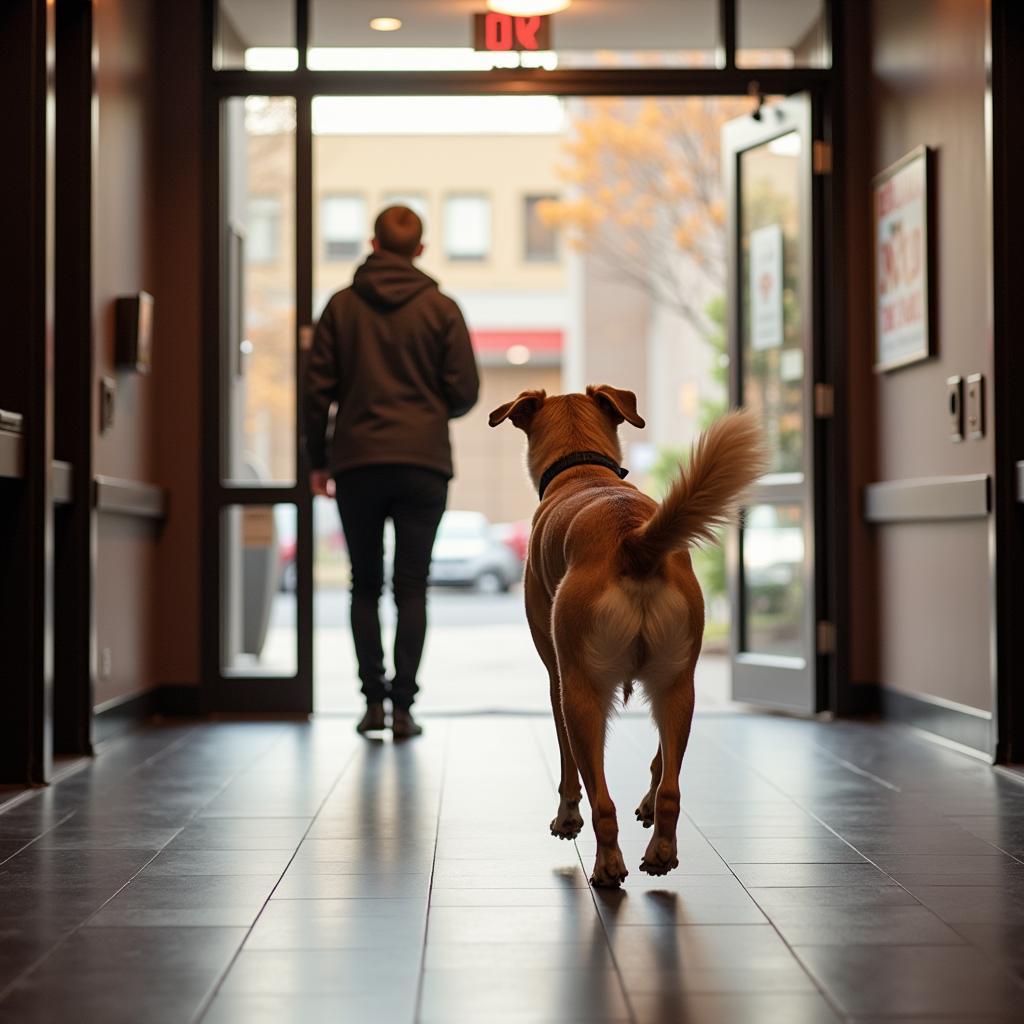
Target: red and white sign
x,y
766,287
502,33
901,263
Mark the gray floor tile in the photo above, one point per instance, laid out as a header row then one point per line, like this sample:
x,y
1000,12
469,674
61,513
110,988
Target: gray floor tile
x,y
324,972
867,895
512,924
320,932
219,862
296,886
911,980
867,926
563,952
805,850
762,1008
785,875
456,996
379,1007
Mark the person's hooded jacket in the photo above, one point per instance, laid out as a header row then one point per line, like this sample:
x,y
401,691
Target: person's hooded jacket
x,y
395,355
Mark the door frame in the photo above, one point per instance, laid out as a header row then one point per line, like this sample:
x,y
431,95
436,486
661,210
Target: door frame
x,y
1005,157
743,135
258,693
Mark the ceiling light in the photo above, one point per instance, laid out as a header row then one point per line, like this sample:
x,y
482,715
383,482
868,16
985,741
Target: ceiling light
x,y
386,24
517,355
527,8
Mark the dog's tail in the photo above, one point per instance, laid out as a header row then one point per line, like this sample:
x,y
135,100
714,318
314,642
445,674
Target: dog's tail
x,y
724,461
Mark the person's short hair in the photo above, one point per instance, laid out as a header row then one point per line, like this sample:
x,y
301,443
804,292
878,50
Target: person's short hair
x,y
399,230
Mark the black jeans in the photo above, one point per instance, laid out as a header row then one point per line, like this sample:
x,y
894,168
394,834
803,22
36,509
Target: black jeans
x,y
413,499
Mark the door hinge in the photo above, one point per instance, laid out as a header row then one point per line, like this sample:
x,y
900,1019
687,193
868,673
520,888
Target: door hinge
x,y
824,401
822,157
826,637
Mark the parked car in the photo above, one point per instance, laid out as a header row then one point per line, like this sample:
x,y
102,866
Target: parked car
x,y
328,540
516,536
469,553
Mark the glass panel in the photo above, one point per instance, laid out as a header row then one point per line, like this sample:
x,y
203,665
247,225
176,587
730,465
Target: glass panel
x,y
258,628
467,227
348,35
773,584
255,34
772,329
781,34
540,237
259,281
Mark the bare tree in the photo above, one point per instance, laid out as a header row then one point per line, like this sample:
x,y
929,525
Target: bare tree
x,y
646,199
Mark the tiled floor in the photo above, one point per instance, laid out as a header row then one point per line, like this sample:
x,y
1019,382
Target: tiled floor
x,y
241,873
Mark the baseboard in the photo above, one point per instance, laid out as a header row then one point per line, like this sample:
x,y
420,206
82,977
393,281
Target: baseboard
x,y
119,716
122,714
859,699
954,722
179,699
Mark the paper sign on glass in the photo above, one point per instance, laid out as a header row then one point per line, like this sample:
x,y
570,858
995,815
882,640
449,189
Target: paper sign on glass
x,y
766,287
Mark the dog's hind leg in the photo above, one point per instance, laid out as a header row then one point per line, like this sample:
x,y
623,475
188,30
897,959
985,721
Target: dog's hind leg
x,y
673,714
567,823
645,812
586,718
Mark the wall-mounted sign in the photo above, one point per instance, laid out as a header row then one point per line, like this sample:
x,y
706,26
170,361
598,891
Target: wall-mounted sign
x,y
502,33
902,262
766,287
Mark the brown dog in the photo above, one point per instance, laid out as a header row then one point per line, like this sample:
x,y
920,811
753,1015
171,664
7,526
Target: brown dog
x,y
611,597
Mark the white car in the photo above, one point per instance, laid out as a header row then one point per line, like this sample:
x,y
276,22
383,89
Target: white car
x,y
469,553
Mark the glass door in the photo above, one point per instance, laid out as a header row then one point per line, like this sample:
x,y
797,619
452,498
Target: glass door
x,y
260,506
769,172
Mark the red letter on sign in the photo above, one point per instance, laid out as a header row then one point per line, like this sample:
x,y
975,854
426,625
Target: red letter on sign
x,y
526,33
498,31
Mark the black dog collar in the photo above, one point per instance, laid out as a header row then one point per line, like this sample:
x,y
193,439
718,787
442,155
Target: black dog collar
x,y
578,459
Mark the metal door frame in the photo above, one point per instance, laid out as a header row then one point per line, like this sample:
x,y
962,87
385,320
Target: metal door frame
x,y
777,674
261,693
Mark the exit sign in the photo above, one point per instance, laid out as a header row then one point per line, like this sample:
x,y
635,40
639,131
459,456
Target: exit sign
x,y
503,33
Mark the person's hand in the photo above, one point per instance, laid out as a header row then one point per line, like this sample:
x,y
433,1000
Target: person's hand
x,y
320,482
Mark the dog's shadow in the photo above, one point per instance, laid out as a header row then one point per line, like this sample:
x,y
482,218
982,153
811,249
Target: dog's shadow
x,y
663,995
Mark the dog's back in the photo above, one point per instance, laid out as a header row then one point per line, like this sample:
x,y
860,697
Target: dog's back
x,y
622,578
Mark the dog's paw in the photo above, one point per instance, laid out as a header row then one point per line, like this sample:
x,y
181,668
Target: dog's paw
x,y
645,812
660,857
567,823
609,868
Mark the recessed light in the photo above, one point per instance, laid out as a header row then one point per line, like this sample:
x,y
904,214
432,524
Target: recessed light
x,y
386,24
527,8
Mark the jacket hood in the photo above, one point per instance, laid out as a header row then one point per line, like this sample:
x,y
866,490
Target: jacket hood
x,y
389,280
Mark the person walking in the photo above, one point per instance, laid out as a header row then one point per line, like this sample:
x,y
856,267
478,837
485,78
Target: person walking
x,y
394,354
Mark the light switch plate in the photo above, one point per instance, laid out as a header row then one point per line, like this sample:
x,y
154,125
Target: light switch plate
x,y
108,389
974,407
955,407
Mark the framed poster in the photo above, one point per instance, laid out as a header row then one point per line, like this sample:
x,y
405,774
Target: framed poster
x,y
902,204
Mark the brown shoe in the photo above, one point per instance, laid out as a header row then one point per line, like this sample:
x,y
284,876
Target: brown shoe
x,y
403,725
373,720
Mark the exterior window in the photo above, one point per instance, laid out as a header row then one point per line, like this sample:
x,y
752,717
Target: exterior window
x,y
263,244
416,202
343,225
467,227
541,240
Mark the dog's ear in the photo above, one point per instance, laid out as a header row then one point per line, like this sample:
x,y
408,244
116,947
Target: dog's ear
x,y
618,404
520,410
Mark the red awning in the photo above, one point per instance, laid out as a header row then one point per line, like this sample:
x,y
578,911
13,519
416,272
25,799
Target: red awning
x,y
546,342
